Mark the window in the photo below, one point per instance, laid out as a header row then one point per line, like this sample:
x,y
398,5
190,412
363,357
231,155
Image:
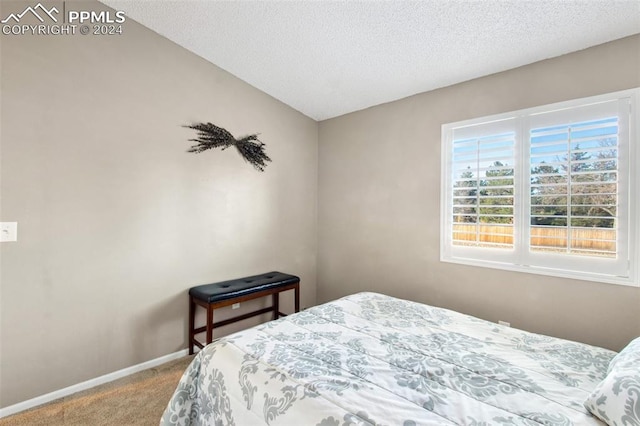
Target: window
x,y
550,190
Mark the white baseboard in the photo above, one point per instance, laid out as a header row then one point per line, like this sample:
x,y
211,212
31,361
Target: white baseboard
x,y
43,399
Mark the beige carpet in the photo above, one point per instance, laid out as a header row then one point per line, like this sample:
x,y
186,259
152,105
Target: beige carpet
x,y
139,399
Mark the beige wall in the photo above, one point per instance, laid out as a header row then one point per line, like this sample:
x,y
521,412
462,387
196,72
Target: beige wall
x,y
379,197
115,220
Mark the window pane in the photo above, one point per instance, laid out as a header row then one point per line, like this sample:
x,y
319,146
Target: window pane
x,y
580,160
483,190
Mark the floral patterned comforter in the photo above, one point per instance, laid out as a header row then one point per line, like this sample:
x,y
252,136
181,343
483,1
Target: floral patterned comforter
x,y
372,359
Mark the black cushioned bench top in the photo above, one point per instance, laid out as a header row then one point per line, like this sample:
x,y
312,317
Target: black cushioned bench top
x,y
242,286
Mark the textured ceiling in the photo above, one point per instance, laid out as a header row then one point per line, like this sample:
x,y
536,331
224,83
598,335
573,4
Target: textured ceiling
x,y
328,58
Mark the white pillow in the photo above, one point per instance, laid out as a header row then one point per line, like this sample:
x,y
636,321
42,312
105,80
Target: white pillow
x,y
630,353
616,400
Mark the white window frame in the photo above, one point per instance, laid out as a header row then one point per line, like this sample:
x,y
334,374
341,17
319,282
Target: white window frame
x,y
520,258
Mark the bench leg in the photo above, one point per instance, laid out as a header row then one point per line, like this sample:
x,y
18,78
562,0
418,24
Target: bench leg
x,y
276,307
192,320
297,297
209,323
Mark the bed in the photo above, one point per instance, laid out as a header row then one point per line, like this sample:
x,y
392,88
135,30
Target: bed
x,y
372,359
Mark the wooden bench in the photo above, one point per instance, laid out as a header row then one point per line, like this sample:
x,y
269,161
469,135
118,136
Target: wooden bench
x,y
226,293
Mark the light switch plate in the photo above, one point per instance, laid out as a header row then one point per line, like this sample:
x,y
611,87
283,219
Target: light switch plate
x,y
8,231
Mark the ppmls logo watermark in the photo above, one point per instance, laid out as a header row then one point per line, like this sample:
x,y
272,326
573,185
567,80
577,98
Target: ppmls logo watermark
x,y
41,20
